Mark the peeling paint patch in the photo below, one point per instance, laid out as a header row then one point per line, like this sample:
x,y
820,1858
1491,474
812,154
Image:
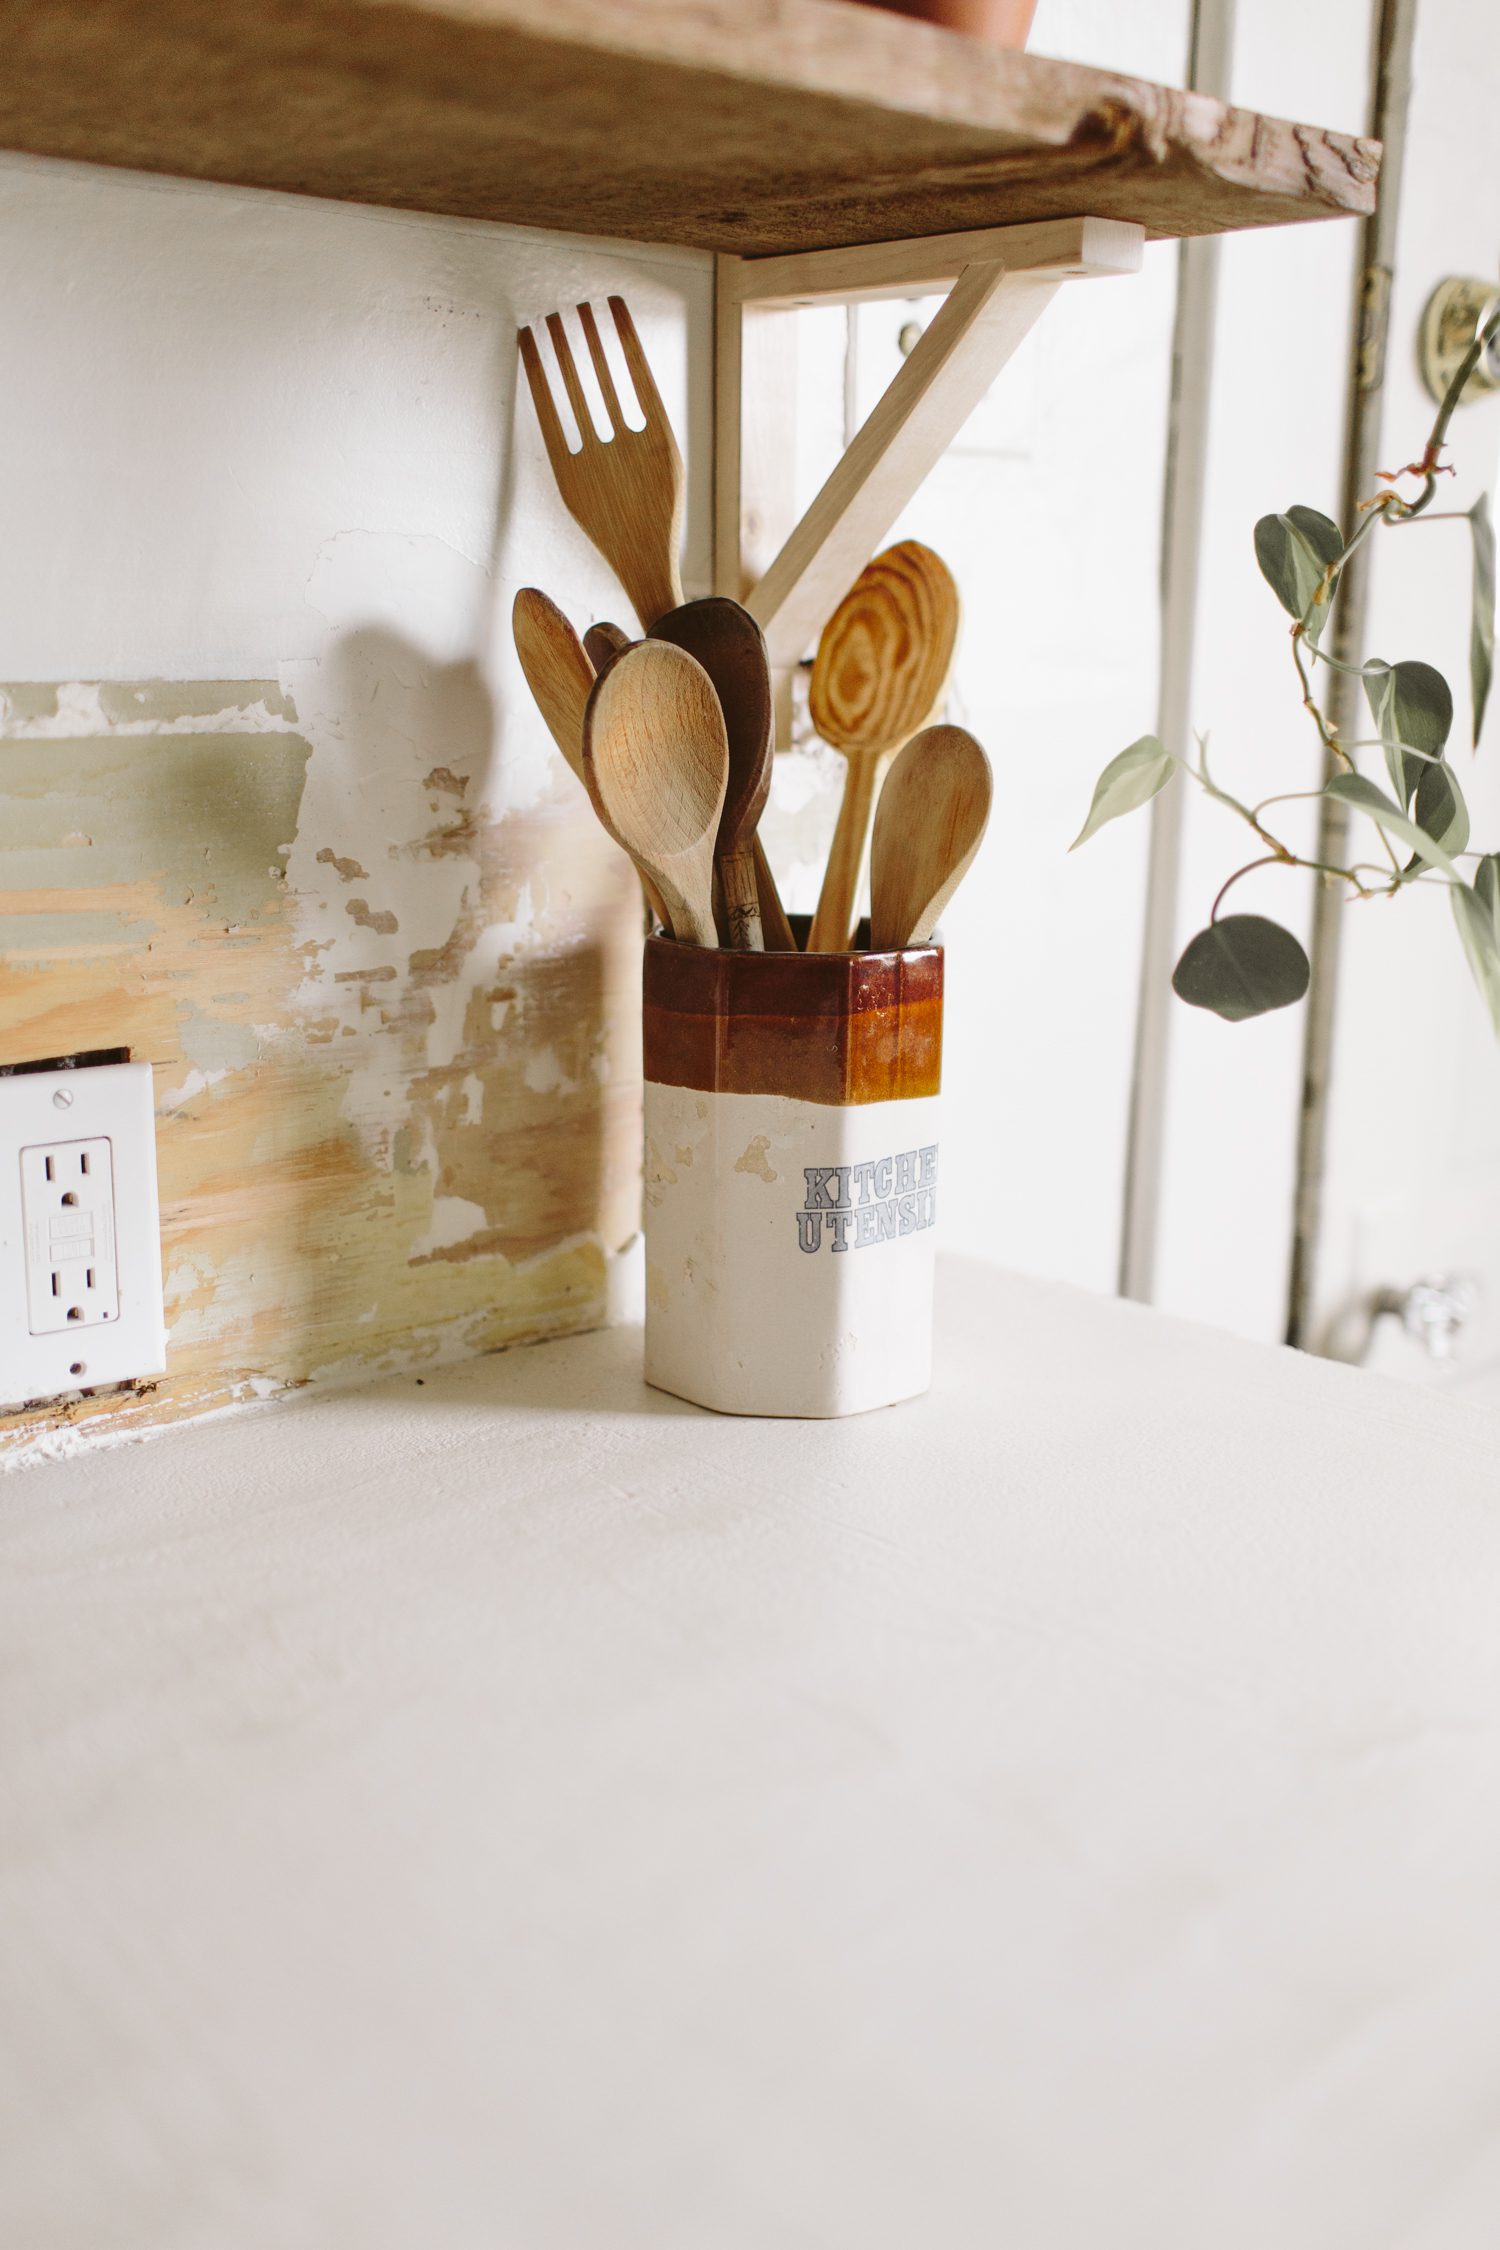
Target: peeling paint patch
x,y
349,870
162,701
384,922
365,1162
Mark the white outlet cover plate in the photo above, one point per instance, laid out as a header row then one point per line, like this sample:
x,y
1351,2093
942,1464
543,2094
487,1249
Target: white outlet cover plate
x,y
113,1102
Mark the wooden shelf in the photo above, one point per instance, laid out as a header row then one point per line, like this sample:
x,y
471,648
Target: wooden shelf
x,y
752,126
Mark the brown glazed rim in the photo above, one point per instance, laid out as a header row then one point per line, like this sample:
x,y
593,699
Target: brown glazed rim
x,y
832,1028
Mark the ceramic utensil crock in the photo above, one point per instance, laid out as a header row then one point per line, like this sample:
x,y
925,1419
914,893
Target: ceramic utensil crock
x,y
792,1176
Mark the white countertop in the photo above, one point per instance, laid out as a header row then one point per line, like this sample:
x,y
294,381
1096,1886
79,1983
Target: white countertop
x,y
523,1813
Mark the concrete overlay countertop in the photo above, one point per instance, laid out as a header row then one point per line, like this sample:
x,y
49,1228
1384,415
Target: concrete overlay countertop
x,y
522,1813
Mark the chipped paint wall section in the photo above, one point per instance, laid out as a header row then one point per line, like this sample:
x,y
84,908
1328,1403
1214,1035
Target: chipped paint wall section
x,y
277,811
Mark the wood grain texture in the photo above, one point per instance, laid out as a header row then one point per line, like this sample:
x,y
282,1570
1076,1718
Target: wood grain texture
x,y
874,270
378,1145
930,821
741,125
880,671
625,490
657,759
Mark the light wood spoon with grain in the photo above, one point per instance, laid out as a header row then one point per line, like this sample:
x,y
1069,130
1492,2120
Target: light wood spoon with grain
x,y
881,667
561,679
929,823
656,757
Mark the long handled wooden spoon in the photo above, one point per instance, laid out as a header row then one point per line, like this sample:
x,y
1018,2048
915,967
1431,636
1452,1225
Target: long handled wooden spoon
x,y
656,756
730,646
929,823
557,669
879,673
561,679
604,642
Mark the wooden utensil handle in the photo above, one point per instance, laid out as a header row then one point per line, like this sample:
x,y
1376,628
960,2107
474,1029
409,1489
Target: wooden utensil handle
x,y
742,902
832,922
776,930
652,581
690,919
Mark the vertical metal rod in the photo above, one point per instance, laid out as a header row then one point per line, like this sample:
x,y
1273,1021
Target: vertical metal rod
x,y
1210,50
1390,98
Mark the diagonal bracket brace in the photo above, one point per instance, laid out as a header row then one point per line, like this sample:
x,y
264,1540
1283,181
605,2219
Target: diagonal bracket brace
x,y
1003,279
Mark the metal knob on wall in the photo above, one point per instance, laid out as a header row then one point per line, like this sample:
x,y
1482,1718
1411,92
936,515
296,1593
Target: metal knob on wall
x,y
1455,312
1434,1311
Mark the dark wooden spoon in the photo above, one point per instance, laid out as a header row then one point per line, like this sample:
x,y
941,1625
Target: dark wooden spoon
x,y
731,648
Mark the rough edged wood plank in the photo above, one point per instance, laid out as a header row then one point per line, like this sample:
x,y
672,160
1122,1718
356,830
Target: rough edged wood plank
x,y
873,270
904,436
749,125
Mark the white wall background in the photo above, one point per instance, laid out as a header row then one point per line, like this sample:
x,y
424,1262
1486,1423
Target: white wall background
x,y
1048,509
1413,1183
237,422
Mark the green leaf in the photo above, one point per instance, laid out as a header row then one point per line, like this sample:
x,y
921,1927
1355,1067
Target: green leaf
x,y
1242,966
1295,551
1487,887
1481,941
1439,807
1413,708
1482,625
1357,790
1128,781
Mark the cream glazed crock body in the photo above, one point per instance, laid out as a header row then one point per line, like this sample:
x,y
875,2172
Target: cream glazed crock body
x,y
791,1177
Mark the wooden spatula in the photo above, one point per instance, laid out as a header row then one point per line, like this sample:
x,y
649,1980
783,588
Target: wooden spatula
x,y
929,823
730,646
624,490
561,679
656,755
879,674
557,669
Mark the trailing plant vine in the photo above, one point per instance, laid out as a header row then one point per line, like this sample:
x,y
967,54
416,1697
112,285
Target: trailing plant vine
x,y
1244,964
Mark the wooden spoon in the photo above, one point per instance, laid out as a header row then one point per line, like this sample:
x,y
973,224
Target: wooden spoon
x,y
929,823
656,755
879,674
603,643
561,679
730,646
557,670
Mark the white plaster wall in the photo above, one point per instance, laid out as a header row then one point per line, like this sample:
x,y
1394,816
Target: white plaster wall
x,y
1048,509
234,420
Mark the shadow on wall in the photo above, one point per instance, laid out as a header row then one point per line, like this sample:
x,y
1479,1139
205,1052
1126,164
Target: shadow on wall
x,y
395,1041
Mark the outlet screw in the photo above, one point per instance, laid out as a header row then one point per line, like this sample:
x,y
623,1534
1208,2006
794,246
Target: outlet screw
x,y
63,1098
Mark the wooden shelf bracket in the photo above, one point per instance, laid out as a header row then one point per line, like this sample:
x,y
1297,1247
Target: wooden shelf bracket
x,y
1000,281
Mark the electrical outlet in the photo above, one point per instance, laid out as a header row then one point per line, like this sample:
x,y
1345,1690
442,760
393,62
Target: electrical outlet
x,y
80,1244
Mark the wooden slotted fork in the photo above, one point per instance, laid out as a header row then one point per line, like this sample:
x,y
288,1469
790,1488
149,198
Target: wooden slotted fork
x,y
626,490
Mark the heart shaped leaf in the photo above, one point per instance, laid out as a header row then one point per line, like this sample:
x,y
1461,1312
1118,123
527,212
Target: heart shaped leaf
x,y
1295,552
1128,781
1242,966
1358,790
1413,708
1439,807
1481,941
1482,624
